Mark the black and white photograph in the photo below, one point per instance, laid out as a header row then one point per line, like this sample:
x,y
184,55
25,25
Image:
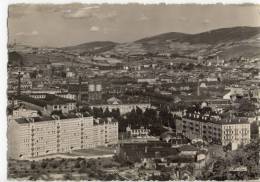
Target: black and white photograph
x,y
132,92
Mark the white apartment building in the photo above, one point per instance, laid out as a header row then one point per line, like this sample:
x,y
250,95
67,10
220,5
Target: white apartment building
x,y
40,136
215,129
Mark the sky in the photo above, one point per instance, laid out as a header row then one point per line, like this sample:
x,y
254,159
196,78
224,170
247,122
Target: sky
x,y
72,24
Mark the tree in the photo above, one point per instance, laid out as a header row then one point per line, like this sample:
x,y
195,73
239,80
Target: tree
x,y
44,164
39,113
254,129
107,113
68,176
33,165
115,113
246,106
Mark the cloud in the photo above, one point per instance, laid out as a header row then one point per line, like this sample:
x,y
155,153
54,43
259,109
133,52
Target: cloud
x,y
89,12
33,33
206,22
107,30
143,18
84,12
94,29
183,19
67,11
109,15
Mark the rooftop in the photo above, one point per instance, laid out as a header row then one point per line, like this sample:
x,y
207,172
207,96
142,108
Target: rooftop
x,y
216,119
48,100
47,118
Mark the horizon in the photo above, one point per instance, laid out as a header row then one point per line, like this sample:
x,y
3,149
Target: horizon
x,y
133,40
46,25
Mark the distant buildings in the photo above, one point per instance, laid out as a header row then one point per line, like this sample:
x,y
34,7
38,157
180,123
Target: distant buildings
x,y
147,80
48,103
114,104
24,113
39,136
153,155
94,92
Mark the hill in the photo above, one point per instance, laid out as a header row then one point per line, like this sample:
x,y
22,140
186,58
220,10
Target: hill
x,y
210,37
222,42
225,43
92,47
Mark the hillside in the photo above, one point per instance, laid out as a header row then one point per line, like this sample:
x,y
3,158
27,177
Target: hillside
x,y
210,37
225,43
92,47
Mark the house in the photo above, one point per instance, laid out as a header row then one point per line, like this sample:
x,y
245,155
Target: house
x,y
49,104
22,112
116,104
114,101
173,138
138,131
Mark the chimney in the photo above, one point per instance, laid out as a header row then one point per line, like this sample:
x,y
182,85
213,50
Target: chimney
x,y
198,89
80,92
19,84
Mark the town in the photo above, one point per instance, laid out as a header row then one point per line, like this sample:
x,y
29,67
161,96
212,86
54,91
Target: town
x,y
173,106
171,120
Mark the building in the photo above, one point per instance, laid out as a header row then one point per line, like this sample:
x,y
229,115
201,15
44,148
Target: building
x,y
21,113
67,96
94,92
138,132
39,136
49,103
259,133
156,154
147,80
214,129
123,108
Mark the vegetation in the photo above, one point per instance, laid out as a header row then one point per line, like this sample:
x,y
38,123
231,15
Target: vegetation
x,y
246,156
92,169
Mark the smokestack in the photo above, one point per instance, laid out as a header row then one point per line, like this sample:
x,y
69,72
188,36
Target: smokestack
x,y
19,84
79,93
198,89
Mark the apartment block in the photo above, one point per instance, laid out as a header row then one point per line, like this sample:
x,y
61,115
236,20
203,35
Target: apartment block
x,y
214,128
39,136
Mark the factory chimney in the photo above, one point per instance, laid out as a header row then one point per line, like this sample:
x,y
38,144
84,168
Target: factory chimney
x,y
79,92
19,84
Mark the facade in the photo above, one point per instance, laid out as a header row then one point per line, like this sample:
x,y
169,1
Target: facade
x,y
67,96
63,107
20,113
138,132
123,108
214,129
94,92
39,136
147,80
49,104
